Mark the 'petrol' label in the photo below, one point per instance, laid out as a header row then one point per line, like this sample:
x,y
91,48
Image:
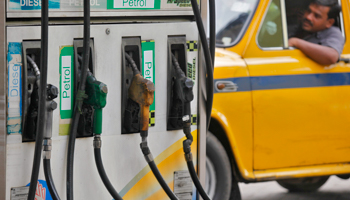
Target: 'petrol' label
x,y
148,72
133,4
66,88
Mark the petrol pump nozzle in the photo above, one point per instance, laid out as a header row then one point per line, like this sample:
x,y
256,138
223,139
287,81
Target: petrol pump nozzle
x,y
97,95
141,91
51,105
184,89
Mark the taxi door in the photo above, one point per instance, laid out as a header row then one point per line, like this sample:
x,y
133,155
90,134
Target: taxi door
x,y
301,110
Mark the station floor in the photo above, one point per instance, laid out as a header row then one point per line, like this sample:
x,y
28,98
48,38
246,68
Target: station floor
x,y
334,189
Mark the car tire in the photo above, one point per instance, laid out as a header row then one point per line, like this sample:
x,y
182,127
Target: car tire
x,y
309,184
219,183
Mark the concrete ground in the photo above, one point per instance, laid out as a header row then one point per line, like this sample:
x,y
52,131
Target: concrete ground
x,y
334,189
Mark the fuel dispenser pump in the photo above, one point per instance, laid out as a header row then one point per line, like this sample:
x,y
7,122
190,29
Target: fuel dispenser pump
x,y
51,105
183,90
142,91
97,95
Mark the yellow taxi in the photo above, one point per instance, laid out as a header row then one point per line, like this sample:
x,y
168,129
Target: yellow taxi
x,y
277,114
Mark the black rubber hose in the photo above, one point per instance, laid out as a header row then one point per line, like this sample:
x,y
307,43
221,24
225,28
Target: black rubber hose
x,y
42,98
212,30
208,60
103,175
49,179
161,181
76,112
132,64
196,181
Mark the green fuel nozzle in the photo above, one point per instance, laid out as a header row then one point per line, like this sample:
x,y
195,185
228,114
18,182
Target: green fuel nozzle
x,y
97,96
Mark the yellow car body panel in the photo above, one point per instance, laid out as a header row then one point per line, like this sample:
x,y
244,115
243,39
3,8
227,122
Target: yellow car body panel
x,y
289,116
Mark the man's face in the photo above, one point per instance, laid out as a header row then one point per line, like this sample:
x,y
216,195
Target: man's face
x,y
316,18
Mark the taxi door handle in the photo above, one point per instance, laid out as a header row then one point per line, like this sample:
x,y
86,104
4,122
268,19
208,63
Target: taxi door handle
x,y
226,86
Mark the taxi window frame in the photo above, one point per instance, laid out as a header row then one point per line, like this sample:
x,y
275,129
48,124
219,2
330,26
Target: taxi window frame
x,y
285,27
243,30
283,19
341,21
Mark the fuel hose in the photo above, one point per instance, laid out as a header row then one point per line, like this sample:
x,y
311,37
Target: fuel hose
x,y
80,95
149,158
101,169
49,179
208,60
212,30
42,97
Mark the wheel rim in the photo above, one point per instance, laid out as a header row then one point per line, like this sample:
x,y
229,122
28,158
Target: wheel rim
x,y
210,179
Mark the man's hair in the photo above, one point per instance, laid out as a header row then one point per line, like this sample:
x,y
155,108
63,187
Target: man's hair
x,y
334,7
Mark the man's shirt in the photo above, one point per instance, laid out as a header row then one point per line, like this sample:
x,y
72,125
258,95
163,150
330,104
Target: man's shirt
x,y
331,37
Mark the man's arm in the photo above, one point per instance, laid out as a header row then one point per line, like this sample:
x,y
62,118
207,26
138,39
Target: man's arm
x,y
321,54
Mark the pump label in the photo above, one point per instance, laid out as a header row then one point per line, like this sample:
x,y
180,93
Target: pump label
x,y
66,88
133,4
31,4
14,93
148,70
180,3
183,185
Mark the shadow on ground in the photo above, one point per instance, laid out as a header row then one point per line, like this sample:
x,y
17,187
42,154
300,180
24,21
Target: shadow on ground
x,y
333,189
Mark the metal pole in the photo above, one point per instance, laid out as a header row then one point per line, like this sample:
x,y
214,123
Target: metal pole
x,y
202,123
3,86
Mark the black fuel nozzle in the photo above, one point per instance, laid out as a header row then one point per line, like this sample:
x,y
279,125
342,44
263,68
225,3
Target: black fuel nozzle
x,y
51,105
52,92
183,87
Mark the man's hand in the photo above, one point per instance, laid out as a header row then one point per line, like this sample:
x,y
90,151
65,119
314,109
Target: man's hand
x,y
293,42
321,54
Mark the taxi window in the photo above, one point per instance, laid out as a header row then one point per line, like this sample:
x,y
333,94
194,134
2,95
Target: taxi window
x,y
294,13
273,35
270,33
232,18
